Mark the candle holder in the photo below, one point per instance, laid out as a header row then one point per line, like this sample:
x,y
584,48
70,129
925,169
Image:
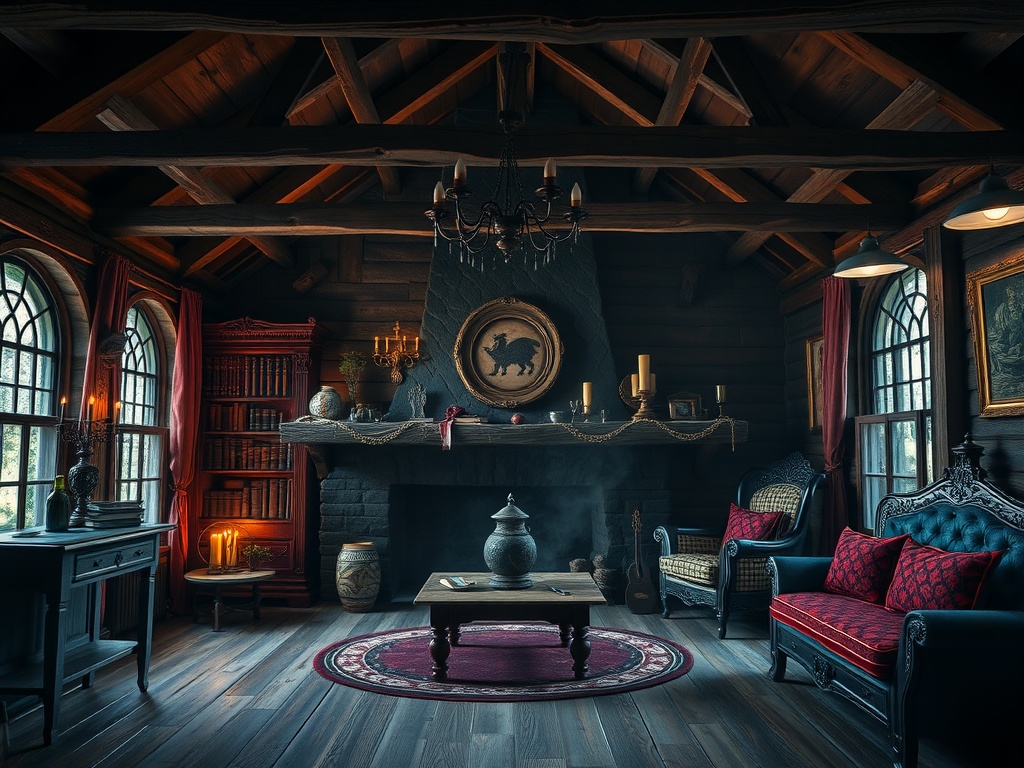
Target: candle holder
x,y
644,412
84,475
720,399
396,354
225,543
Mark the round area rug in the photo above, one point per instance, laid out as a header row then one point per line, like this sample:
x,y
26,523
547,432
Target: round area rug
x,y
502,662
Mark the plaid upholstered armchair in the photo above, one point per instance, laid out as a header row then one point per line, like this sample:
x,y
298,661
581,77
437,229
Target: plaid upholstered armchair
x,y
702,567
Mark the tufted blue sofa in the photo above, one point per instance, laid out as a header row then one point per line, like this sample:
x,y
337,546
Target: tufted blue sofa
x,y
931,672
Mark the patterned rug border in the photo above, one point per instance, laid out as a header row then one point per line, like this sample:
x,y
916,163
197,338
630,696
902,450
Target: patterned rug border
x,y
344,662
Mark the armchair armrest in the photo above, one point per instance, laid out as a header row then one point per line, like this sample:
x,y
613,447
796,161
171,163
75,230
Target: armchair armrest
x,y
669,536
798,574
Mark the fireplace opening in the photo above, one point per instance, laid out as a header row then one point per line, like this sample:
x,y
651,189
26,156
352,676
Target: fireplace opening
x,y
443,528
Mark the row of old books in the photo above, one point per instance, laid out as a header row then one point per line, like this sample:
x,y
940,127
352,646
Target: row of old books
x,y
246,453
268,499
247,375
242,417
113,514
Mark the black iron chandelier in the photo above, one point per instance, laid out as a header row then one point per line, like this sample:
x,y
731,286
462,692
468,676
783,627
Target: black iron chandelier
x,y
508,221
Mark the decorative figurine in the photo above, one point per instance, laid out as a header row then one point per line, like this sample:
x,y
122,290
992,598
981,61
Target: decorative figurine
x,y
417,400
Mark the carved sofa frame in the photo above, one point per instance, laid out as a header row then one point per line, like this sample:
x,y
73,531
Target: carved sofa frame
x,y
950,664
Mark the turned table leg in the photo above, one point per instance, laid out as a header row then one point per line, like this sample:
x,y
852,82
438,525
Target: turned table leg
x,y
565,634
440,648
579,649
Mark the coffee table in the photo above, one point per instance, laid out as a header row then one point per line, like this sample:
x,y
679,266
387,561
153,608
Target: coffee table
x,y
449,609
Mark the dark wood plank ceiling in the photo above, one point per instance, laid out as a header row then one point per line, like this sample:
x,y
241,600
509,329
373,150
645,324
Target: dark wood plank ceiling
x,y
203,141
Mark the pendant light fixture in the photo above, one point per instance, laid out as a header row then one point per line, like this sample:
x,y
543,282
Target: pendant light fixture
x,y
870,261
995,205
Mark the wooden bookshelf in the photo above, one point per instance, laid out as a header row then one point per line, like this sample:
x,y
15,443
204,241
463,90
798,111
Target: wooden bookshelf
x,y
256,376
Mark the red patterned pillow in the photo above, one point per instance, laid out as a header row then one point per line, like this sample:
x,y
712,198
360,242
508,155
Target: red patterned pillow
x,y
927,577
862,565
747,524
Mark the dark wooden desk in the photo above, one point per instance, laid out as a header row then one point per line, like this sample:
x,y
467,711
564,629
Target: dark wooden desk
x,y
449,609
57,563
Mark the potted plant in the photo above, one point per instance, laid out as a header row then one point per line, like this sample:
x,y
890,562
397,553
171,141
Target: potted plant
x,y
256,555
351,366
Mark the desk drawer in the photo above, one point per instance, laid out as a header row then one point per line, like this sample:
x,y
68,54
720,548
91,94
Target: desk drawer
x,y
108,560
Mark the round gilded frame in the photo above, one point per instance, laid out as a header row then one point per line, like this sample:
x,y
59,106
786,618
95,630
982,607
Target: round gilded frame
x,y
508,353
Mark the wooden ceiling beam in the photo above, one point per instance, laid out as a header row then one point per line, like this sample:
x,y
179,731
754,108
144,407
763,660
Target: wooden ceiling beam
x,y
308,219
342,55
905,111
688,146
680,92
122,115
527,20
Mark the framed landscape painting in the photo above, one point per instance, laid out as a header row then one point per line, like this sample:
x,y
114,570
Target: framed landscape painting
x,y
996,298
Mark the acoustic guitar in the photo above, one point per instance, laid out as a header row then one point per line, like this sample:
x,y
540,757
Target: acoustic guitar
x,y
640,594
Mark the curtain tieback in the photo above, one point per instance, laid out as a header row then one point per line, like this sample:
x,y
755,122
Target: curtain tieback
x,y
831,467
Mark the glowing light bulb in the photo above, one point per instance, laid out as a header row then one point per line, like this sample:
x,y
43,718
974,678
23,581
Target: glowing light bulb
x,y
994,214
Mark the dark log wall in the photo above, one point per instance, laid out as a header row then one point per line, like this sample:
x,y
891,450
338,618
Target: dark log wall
x,y
1003,436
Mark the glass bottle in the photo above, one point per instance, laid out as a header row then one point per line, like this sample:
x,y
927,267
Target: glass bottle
x,y
58,507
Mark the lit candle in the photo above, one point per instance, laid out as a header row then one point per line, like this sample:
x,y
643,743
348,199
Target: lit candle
x,y
460,173
417,343
214,549
576,197
385,345
438,195
644,366
588,393
634,380
88,411
549,171
376,345
60,414
720,393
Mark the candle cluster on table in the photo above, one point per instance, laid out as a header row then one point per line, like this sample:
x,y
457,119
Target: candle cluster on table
x,y
395,352
643,384
224,551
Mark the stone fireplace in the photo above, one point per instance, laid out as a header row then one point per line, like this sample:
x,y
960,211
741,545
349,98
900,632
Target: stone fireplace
x,y
429,510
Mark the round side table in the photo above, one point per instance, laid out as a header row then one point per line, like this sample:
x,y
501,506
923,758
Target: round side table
x,y
199,578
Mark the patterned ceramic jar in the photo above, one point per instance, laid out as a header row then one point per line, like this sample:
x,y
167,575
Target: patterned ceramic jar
x,y
357,576
510,551
326,403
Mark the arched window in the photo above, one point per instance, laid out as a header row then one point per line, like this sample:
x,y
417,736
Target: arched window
x,y
30,361
894,442
142,433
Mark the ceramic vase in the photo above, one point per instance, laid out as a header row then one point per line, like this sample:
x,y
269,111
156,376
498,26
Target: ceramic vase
x,y
326,404
510,551
357,576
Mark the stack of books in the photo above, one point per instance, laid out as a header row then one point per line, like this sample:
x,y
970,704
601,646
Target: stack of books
x,y
113,514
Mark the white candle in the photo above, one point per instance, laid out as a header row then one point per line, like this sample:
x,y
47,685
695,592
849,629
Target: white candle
x,y
438,194
576,197
60,415
549,171
588,393
644,366
635,381
460,173
88,411
214,549
720,393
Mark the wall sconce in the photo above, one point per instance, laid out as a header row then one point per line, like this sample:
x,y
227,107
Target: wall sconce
x,y
396,353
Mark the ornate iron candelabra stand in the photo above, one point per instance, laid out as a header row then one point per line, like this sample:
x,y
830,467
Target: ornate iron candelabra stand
x,y
84,475
644,411
397,353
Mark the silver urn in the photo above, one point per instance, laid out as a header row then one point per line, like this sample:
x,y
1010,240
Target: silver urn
x,y
510,551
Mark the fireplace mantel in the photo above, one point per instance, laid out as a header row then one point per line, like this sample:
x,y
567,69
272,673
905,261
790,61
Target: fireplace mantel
x,y
320,433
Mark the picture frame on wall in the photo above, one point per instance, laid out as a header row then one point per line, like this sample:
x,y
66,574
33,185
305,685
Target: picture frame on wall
x,y
995,296
813,349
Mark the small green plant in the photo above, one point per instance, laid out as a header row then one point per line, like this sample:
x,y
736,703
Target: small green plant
x,y
351,366
256,555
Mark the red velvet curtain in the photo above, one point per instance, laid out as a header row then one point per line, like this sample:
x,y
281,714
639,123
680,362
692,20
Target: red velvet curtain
x,y
108,317
185,400
835,323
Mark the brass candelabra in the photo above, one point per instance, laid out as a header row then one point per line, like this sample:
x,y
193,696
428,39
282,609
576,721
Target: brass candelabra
x,y
397,353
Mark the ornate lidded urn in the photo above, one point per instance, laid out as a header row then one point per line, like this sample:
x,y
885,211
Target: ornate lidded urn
x,y
510,551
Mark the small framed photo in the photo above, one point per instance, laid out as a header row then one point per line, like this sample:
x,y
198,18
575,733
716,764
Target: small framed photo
x,y
813,347
684,406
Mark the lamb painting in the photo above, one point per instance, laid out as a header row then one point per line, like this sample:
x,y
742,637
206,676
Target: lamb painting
x,y
504,353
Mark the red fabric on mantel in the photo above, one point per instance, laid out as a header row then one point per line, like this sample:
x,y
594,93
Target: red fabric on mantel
x,y
445,426
186,397
835,323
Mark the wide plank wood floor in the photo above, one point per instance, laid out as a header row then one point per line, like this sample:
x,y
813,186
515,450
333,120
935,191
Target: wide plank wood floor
x,y
249,697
